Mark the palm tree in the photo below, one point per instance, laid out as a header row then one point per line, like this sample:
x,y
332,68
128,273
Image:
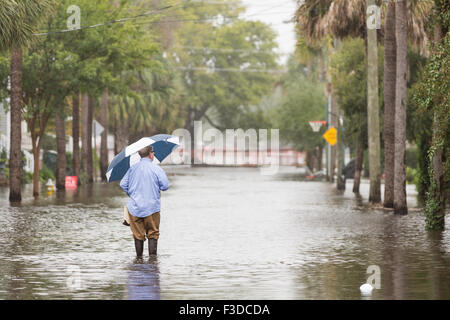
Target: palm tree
x,y
61,151
90,118
87,105
76,135
373,110
416,13
18,22
401,30
342,18
84,131
15,151
104,136
390,68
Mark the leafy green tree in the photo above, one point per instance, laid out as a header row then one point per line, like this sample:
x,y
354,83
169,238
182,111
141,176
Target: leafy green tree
x,y
151,106
303,100
419,123
349,81
221,60
108,54
349,77
432,96
47,67
343,18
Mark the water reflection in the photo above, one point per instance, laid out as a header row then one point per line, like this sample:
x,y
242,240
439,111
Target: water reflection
x,y
143,280
225,234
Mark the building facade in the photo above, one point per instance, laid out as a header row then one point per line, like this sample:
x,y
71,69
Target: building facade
x,y
5,137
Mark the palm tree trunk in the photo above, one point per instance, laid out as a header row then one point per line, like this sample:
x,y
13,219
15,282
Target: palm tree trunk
x,y
90,163
15,156
400,206
373,121
121,135
340,184
76,135
309,161
115,134
319,156
61,161
104,136
36,169
358,165
390,67
84,132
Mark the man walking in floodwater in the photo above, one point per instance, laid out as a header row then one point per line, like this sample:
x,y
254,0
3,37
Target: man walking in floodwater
x,y
143,183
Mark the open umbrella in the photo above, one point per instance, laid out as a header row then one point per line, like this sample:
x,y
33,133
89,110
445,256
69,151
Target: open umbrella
x,y
163,145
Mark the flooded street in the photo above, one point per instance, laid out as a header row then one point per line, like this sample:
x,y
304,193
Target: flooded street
x,y
225,234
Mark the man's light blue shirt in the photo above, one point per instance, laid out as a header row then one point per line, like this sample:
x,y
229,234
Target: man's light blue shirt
x,y
143,183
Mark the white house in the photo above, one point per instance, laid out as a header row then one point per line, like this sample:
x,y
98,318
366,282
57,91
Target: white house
x,y
5,128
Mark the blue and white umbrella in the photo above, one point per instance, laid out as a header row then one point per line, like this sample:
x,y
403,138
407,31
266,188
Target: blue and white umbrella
x,y
163,145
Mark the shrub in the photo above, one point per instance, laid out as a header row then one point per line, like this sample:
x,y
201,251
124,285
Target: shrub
x,y
412,176
46,173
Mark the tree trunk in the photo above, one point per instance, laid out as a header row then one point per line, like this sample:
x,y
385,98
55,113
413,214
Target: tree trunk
x,y
309,161
400,206
104,136
390,67
76,135
84,131
314,158
115,128
90,163
15,155
320,156
61,161
189,125
435,217
373,121
340,183
358,165
36,169
121,135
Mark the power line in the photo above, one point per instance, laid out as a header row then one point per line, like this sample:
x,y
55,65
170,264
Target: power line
x,y
115,21
212,70
146,14
231,50
264,10
208,2
231,18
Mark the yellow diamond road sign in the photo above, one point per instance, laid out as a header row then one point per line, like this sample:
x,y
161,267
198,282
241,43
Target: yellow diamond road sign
x,y
331,136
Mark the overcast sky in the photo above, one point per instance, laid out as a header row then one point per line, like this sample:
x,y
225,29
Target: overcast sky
x,y
275,13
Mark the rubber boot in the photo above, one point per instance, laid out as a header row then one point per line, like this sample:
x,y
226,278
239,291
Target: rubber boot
x,y
139,245
152,246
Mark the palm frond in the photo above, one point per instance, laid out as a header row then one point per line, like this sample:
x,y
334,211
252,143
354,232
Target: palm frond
x,y
20,19
347,18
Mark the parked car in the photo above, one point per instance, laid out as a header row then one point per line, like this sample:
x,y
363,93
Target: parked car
x,y
349,170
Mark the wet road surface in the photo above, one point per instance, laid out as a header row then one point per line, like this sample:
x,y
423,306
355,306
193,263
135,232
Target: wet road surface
x,y
225,234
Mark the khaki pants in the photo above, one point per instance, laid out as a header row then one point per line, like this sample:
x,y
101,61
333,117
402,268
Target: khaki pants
x,y
145,227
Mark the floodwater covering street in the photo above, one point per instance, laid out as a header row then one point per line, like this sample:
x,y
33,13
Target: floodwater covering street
x,y
226,233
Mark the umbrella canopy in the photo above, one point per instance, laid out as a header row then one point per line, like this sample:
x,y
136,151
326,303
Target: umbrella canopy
x,y
163,145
